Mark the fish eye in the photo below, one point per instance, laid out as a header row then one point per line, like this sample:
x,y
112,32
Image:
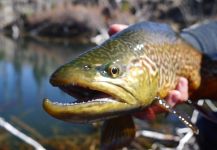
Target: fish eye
x,y
113,71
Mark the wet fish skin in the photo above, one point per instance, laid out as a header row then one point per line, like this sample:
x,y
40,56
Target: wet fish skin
x,y
128,72
150,58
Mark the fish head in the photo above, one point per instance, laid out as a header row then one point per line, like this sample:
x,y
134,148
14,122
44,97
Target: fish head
x,y
107,81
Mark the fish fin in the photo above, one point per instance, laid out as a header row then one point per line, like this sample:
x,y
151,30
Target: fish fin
x,y
117,132
208,114
164,105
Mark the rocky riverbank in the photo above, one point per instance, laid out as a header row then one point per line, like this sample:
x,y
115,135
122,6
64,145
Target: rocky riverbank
x,y
79,21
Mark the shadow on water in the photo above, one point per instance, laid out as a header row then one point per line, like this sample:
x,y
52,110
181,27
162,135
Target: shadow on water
x,y
25,67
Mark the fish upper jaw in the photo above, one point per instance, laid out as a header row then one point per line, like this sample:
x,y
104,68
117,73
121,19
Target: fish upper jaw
x,y
64,78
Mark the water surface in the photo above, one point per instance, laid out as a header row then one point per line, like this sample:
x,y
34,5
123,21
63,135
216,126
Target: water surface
x,y
25,67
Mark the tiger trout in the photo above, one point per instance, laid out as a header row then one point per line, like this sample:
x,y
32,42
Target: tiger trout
x,y
127,73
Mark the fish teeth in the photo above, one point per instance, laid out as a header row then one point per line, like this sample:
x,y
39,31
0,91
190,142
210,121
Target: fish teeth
x,y
104,100
64,104
100,100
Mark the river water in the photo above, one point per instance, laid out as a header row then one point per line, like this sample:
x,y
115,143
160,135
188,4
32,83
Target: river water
x,y
25,67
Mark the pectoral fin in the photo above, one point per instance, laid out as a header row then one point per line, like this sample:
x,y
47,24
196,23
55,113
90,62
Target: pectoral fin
x,y
117,132
163,104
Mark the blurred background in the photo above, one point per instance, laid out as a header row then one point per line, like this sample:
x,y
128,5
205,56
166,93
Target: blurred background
x,y
37,36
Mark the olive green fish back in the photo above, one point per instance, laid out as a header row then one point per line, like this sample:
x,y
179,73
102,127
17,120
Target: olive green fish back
x,y
162,52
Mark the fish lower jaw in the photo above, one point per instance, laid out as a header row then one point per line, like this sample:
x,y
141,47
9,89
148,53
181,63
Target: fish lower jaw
x,y
93,102
86,112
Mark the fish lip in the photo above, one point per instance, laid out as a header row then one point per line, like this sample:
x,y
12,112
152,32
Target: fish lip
x,y
111,89
89,113
117,101
86,111
104,107
64,84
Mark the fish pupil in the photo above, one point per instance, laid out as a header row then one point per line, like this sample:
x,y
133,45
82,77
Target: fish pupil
x,y
114,70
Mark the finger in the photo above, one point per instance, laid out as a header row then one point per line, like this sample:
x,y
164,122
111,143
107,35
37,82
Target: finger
x,y
180,94
174,97
116,28
182,87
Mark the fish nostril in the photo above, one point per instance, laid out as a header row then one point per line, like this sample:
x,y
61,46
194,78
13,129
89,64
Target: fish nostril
x,y
86,67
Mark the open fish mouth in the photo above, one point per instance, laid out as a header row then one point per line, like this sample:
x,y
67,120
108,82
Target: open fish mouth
x,y
86,95
90,105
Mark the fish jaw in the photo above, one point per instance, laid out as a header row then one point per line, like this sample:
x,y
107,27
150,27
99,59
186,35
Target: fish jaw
x,y
103,106
133,88
100,109
96,100
100,97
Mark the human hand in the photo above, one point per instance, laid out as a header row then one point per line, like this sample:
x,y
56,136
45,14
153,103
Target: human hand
x,y
176,96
